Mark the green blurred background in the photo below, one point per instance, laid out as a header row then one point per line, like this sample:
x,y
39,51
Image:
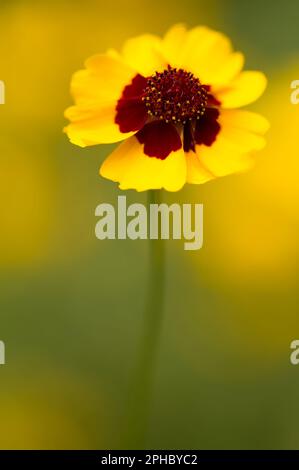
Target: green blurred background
x,y
72,307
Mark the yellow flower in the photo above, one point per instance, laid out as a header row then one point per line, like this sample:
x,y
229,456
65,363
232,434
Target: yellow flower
x,y
172,101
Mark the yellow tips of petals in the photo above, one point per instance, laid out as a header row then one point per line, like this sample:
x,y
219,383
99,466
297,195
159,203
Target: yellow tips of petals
x,y
241,135
248,120
205,48
144,54
96,90
245,89
173,44
207,41
104,78
230,68
208,54
113,53
175,35
91,126
132,169
197,173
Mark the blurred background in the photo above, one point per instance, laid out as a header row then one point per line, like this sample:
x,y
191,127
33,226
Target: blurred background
x,y
71,307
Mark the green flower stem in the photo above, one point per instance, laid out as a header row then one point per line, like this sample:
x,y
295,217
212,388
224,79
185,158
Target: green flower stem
x,y
141,396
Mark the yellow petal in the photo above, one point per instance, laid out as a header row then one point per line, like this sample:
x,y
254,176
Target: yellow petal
x,y
208,54
173,45
144,54
129,166
247,120
223,74
214,162
96,91
243,130
103,79
197,173
245,89
240,136
93,125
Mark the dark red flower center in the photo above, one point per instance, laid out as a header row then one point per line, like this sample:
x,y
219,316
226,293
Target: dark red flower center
x,y
168,111
175,95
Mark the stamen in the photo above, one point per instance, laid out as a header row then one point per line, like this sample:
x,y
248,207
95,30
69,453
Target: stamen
x,y
175,95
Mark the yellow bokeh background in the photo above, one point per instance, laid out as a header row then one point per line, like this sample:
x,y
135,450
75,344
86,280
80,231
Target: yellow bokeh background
x,y
71,307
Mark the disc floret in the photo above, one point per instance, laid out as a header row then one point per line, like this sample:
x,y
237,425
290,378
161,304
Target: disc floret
x,y
175,95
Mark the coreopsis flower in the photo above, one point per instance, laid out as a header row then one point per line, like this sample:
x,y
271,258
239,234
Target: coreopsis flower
x,y
173,102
